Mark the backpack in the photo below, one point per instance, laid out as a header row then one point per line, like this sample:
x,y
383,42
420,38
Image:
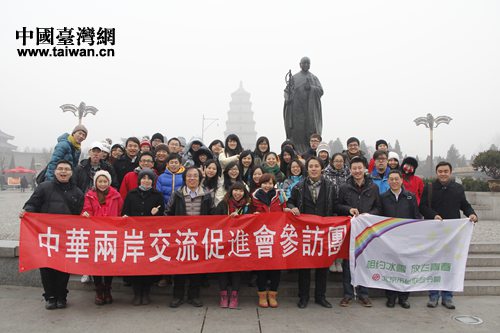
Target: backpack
x,y
40,178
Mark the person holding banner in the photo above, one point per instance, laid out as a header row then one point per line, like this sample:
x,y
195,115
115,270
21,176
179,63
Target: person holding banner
x,y
397,202
267,199
358,195
191,199
444,199
236,202
144,200
59,196
102,200
314,195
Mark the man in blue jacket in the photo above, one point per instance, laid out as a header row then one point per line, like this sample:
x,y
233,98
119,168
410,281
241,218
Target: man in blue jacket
x,y
68,148
380,173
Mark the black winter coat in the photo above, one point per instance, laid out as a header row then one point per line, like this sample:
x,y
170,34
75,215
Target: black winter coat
x,y
302,199
122,166
405,207
365,198
139,203
177,204
84,178
446,201
53,197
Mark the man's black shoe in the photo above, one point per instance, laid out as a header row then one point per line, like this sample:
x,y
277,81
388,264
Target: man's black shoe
x,y
302,304
404,304
323,302
196,302
390,303
51,303
176,302
61,303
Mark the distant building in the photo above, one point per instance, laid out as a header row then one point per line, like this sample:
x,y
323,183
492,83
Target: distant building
x,y
10,158
4,145
240,118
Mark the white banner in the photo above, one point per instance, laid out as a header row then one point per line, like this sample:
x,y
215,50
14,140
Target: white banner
x,y
409,255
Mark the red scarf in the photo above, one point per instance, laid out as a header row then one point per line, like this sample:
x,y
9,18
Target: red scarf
x,y
236,206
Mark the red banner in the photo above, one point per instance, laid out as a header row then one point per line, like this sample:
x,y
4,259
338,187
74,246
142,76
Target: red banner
x,y
180,244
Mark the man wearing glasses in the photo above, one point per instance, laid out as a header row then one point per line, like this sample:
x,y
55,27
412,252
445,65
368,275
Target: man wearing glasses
x,y
85,171
314,142
352,150
130,181
59,196
380,173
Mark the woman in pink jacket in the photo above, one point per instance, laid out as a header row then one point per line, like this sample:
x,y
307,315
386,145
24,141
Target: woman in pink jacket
x,y
102,200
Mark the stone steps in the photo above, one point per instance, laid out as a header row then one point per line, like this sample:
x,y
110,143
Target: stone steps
x,y
482,273
483,260
484,247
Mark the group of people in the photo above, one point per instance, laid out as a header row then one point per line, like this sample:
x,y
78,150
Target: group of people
x,y
149,177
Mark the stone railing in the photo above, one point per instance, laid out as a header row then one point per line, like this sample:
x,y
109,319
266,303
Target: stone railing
x,y
486,204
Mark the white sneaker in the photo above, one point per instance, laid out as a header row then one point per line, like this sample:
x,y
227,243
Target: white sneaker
x,y
339,267
86,279
333,268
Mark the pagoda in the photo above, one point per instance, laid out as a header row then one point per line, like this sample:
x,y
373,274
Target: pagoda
x,y
240,118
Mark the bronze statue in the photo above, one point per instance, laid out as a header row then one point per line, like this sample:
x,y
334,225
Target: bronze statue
x,y
302,109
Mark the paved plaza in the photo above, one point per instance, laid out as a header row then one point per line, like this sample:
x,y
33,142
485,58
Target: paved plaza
x,y
23,311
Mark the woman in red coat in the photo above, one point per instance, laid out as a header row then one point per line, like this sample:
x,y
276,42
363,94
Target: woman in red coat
x,y
412,183
102,200
264,200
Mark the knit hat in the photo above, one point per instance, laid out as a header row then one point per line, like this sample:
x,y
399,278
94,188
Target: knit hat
x,y
117,145
411,161
352,139
393,155
182,140
146,172
381,142
80,128
145,142
158,136
105,147
102,173
161,147
323,146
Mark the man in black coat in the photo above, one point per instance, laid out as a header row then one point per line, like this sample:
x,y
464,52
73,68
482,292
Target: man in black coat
x,y
397,202
59,196
191,199
357,196
313,195
444,199
128,162
85,171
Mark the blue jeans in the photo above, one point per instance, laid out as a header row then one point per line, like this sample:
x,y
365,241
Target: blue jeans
x,y
446,295
361,291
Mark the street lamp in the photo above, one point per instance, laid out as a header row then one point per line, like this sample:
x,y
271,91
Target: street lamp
x,y
204,128
430,122
81,111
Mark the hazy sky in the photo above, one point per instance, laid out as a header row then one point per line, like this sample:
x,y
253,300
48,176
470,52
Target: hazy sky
x,y
381,64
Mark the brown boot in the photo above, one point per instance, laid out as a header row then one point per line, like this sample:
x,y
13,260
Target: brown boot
x,y
263,299
272,299
99,294
107,294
